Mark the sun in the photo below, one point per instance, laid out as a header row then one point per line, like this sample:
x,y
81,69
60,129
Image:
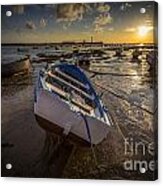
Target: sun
x,y
143,31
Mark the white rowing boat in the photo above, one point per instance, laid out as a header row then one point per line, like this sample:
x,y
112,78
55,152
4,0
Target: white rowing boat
x,y
66,103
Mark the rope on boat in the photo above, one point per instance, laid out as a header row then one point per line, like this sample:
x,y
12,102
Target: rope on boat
x,y
124,99
95,73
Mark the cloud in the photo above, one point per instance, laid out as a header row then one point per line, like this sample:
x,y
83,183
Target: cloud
x,y
111,29
71,12
18,9
125,6
134,29
130,29
101,21
50,5
149,5
86,26
149,28
102,7
98,28
65,27
43,23
148,22
30,25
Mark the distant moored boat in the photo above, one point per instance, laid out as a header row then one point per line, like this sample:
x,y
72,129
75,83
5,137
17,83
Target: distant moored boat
x,y
11,67
152,59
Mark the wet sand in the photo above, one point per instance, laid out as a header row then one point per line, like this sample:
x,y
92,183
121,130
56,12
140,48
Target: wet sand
x,y
128,93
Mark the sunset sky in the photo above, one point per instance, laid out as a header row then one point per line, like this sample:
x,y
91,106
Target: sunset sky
x,y
107,22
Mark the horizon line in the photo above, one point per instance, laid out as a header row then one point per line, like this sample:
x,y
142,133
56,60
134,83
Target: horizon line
x,y
77,42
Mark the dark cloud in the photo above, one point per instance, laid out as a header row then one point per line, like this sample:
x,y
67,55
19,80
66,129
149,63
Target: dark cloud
x,y
102,7
71,12
101,21
30,25
18,9
125,6
43,23
104,17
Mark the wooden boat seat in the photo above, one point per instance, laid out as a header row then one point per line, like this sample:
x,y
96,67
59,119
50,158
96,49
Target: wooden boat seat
x,y
85,107
72,86
69,77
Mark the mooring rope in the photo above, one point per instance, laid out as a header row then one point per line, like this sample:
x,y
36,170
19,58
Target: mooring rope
x,y
123,98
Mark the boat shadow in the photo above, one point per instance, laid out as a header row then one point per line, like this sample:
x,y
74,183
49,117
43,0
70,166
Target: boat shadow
x,y
54,156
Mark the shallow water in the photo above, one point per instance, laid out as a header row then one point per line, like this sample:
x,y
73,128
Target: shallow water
x,y
128,93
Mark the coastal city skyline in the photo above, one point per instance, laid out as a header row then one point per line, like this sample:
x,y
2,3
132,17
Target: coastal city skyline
x,y
106,22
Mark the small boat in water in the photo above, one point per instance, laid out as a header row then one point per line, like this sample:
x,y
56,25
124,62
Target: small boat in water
x,y
136,55
66,103
23,50
103,62
13,65
152,60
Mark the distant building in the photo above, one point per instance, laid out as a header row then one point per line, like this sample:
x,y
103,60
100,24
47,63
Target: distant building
x,y
82,44
91,39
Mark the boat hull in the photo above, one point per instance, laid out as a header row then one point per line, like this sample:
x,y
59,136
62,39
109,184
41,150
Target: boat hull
x,y
55,129
55,115
15,67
